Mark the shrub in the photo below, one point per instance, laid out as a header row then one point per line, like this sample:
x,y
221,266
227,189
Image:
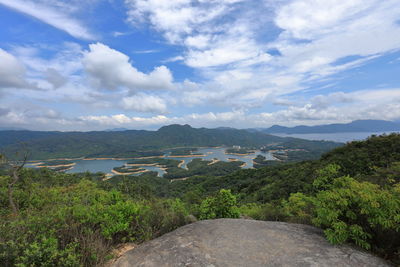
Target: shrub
x,y
358,211
223,205
298,208
78,224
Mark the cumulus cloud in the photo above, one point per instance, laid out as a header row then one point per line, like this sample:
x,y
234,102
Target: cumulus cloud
x,y
12,71
230,42
36,118
144,103
112,69
195,119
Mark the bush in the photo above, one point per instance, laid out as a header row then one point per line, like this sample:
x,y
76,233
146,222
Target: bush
x,y
223,205
264,212
360,212
77,225
298,208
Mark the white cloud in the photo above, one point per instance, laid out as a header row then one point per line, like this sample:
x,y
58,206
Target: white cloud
x,y
228,42
333,108
144,103
306,19
53,15
122,119
55,78
12,71
111,69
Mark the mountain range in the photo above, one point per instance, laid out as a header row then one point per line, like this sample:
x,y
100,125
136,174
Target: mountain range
x,y
354,126
134,143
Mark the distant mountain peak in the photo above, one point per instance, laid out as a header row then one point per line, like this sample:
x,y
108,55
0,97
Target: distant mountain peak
x,y
175,127
354,126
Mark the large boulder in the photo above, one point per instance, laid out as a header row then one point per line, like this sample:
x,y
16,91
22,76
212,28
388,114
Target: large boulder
x,y
238,242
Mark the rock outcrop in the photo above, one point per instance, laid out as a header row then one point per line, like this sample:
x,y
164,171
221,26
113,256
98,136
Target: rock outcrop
x,y
238,242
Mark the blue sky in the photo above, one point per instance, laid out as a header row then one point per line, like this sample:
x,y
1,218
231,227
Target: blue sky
x,y
141,64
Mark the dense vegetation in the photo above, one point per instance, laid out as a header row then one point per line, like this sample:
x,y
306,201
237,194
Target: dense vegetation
x,y
127,169
260,161
352,192
184,151
46,145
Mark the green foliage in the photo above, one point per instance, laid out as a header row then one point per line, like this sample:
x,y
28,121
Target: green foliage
x,y
362,157
298,208
77,224
45,252
325,176
357,211
264,212
75,219
185,151
260,161
223,205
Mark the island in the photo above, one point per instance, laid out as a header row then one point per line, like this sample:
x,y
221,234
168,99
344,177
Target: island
x,y
56,165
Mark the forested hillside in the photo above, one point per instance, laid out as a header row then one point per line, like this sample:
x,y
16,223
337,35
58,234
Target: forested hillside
x,y
137,143
352,192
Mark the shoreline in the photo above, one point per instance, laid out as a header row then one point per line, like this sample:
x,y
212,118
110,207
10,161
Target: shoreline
x,y
186,156
114,158
128,173
64,170
55,166
181,163
239,154
122,158
213,162
139,165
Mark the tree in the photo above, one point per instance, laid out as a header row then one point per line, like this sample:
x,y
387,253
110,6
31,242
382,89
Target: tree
x,y
223,205
14,167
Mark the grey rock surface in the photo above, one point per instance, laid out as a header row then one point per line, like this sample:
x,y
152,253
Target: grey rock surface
x,y
238,242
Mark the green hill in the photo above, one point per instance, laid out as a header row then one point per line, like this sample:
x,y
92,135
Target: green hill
x,y
352,193
137,143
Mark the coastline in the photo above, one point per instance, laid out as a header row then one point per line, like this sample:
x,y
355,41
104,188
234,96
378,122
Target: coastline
x,y
187,156
213,162
138,165
181,163
55,166
128,173
239,154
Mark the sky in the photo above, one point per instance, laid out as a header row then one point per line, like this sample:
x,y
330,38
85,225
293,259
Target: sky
x,y
140,64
